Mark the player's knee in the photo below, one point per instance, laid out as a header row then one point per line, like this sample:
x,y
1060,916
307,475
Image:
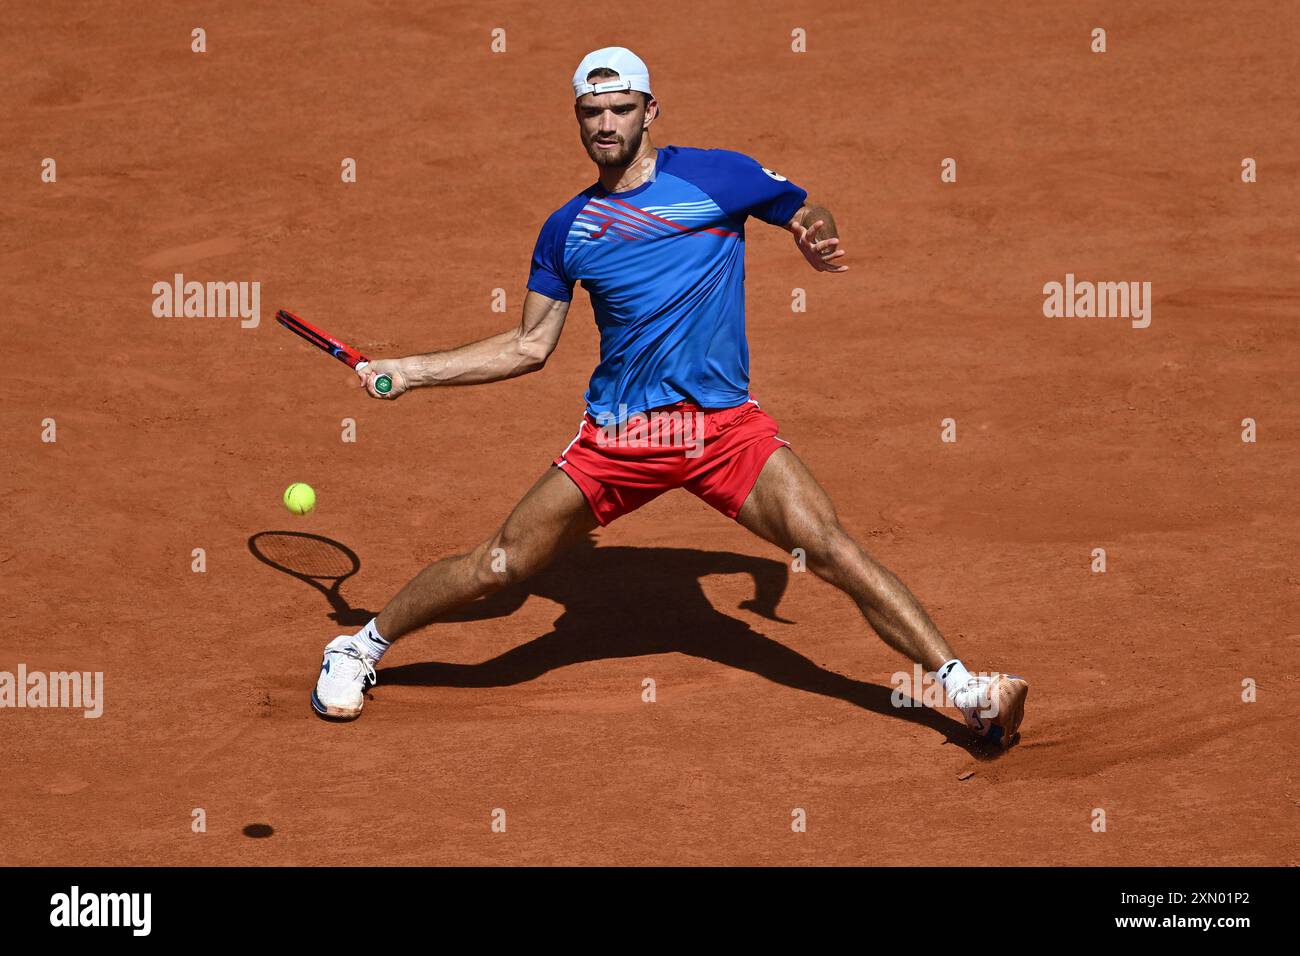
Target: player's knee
x,y
498,563
836,554
488,566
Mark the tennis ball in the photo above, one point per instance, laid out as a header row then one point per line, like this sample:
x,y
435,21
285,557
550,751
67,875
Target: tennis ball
x,y
299,498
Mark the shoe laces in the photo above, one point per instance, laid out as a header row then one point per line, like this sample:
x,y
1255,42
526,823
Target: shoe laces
x,y
974,694
367,668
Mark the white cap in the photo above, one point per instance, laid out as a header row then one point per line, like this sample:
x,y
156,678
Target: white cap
x,y
632,72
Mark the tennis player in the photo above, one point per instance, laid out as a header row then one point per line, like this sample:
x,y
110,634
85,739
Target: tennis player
x,y
658,242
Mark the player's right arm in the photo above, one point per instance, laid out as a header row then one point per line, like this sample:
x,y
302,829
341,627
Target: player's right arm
x,y
507,354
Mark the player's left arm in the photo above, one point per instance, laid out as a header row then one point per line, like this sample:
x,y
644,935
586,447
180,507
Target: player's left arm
x,y
817,237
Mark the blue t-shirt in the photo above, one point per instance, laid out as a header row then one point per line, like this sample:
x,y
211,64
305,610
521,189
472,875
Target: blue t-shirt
x,y
664,264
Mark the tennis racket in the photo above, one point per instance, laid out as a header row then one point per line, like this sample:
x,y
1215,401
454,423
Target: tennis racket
x,y
316,560
327,343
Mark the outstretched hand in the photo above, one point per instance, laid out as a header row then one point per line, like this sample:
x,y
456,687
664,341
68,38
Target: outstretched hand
x,y
819,253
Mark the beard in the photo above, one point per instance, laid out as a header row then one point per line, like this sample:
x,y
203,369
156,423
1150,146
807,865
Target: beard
x,y
620,155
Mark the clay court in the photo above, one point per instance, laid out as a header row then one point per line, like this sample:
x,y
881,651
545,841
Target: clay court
x,y
1072,434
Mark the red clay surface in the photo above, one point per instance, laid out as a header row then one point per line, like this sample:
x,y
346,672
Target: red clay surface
x,y
1073,434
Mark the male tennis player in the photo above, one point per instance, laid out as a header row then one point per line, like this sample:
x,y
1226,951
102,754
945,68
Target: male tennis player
x,y
659,244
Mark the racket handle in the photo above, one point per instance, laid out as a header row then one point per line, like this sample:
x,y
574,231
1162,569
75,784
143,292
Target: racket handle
x,y
383,384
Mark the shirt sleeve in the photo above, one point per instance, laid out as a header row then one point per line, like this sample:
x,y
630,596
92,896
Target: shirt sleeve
x,y
749,189
547,273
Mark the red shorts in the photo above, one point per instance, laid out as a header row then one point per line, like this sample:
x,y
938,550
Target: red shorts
x,y
715,454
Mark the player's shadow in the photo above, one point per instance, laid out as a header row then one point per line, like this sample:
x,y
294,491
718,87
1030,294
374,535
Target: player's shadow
x,y
631,602
317,561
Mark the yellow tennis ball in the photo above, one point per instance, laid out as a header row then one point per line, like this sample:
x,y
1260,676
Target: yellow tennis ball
x,y
299,498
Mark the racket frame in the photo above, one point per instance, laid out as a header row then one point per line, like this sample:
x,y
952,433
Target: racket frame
x,y
345,353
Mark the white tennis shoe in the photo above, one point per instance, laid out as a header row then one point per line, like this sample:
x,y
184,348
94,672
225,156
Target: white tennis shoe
x,y
993,705
345,673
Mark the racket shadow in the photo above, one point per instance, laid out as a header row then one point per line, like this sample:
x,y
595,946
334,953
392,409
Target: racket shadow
x,y
320,562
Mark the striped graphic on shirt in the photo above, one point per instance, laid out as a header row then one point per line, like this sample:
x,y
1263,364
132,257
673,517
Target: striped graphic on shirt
x,y
611,218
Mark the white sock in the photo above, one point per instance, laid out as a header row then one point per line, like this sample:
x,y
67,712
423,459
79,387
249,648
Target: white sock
x,y
953,675
372,645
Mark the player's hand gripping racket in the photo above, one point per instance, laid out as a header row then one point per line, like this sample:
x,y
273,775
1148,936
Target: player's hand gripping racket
x,y
344,353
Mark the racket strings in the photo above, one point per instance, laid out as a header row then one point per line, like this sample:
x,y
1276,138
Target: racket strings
x,y
308,556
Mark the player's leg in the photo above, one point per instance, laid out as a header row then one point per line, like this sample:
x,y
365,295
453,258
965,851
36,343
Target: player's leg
x,y
789,508
552,515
